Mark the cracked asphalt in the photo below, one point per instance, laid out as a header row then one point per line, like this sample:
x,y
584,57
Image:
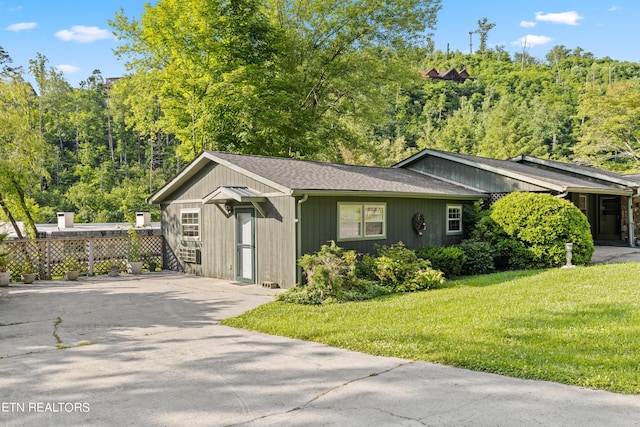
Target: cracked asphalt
x,y
148,350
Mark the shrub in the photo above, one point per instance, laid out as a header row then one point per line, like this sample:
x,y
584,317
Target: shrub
x,y
478,257
329,271
532,229
336,275
400,269
449,260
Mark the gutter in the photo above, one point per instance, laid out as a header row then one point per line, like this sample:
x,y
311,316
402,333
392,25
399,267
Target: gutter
x,y
298,273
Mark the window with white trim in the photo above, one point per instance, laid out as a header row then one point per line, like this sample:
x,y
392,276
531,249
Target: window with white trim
x,y
454,219
359,221
190,224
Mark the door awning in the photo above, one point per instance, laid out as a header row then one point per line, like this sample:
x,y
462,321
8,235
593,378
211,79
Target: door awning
x,y
224,196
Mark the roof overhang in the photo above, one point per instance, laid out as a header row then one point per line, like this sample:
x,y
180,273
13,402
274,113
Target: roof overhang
x,y
389,194
223,197
595,173
196,165
613,191
478,165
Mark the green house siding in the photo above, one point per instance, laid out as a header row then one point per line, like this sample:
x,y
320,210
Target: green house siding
x,y
319,223
274,234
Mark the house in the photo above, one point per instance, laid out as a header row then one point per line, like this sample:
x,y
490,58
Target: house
x,y
451,75
249,218
608,199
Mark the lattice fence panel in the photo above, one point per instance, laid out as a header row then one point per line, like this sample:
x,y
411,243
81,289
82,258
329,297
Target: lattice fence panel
x,y
108,251
51,258
151,249
64,255
29,257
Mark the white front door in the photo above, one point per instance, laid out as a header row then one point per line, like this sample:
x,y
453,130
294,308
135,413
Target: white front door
x,y
245,245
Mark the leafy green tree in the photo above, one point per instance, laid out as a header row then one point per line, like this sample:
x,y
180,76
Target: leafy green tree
x,y
21,149
296,77
610,135
484,26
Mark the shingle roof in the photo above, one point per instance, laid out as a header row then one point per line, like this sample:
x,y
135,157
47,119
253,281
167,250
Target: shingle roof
x,y
551,176
558,178
318,176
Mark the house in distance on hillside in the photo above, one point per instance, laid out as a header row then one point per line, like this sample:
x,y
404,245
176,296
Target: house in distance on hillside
x,y
451,75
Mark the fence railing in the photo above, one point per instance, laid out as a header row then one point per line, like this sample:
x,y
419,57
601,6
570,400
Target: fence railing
x,y
49,258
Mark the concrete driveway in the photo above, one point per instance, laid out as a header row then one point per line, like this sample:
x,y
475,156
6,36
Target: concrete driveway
x,y
149,351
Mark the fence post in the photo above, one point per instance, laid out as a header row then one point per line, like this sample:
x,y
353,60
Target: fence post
x,y
91,257
48,256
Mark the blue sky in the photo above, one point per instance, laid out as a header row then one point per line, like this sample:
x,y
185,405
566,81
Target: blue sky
x,y
74,35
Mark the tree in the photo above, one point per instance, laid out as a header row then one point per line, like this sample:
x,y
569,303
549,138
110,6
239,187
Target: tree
x,y
610,134
483,31
288,78
21,149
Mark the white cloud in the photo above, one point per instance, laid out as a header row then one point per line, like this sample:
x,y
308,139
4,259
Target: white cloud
x,y
67,69
531,40
613,8
568,18
83,34
527,24
21,26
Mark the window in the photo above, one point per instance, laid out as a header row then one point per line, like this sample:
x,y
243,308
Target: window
x,y
454,219
361,221
190,223
582,203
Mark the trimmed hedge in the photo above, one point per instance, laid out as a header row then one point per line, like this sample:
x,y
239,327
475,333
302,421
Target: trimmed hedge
x,y
449,260
478,257
531,230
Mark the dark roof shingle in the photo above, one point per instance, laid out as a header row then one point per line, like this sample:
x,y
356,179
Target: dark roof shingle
x,y
319,176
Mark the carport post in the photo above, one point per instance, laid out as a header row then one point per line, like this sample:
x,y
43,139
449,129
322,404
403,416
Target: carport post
x,y
631,221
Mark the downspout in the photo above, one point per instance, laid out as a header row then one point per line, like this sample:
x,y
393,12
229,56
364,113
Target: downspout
x,y
298,273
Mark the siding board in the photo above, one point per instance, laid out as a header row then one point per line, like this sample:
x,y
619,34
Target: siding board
x,y
274,239
319,223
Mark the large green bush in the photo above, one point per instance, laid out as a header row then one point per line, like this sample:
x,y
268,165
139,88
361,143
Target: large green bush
x,y
400,269
478,257
449,260
336,275
531,230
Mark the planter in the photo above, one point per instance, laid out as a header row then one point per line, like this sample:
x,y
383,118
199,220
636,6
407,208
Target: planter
x,y
28,277
5,278
113,270
134,267
152,266
73,275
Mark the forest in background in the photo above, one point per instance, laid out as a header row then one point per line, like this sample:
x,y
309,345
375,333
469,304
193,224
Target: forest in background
x,y
309,79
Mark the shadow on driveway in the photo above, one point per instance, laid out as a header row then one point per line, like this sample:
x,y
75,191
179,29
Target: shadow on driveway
x,y
156,355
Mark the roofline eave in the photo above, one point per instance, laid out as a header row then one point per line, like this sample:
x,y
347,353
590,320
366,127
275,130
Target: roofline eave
x,y
190,170
394,194
594,174
515,175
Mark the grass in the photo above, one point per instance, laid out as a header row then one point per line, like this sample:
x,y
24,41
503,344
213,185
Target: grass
x,y
575,326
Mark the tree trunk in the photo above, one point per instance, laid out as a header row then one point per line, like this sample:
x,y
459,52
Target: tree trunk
x,y
9,215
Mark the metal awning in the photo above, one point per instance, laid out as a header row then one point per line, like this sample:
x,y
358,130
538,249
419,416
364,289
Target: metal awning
x,y
226,195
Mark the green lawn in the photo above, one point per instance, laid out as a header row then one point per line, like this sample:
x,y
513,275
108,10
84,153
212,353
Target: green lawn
x,y
576,326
